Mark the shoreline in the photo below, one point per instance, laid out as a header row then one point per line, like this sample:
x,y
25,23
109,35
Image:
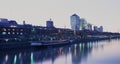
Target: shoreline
x,y
44,44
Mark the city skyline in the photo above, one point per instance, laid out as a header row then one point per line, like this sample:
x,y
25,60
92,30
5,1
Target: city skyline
x,y
102,12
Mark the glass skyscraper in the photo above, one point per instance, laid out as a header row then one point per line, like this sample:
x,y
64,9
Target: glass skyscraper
x,y
83,24
75,22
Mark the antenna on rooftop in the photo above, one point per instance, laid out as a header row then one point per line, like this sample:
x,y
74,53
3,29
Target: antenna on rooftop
x,y
23,22
50,19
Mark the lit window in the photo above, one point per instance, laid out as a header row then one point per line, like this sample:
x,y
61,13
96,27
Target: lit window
x,y
45,28
4,33
13,32
33,30
13,29
17,33
12,26
8,32
21,33
40,28
4,29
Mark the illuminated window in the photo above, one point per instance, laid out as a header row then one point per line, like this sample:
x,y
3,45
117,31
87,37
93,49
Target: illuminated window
x,y
45,28
40,28
12,26
4,29
33,30
4,33
8,32
13,32
13,29
17,33
21,33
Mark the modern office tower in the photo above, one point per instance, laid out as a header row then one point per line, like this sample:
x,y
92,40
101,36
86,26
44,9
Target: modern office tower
x,y
49,23
24,23
95,28
101,29
89,26
75,22
83,24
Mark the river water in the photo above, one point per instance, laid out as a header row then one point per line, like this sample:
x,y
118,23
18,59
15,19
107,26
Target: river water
x,y
100,52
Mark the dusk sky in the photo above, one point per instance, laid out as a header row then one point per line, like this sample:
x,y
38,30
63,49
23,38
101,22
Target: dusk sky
x,y
37,12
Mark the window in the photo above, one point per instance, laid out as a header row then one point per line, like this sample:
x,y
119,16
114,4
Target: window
x,y
4,29
21,33
13,32
17,33
13,29
4,33
8,32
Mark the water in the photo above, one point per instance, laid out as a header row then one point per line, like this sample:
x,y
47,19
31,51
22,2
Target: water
x,y
102,52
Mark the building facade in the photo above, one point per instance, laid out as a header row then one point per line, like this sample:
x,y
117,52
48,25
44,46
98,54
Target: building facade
x,y
99,29
75,22
83,23
49,23
89,26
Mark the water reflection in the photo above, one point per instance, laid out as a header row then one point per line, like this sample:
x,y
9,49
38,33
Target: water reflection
x,y
79,52
71,54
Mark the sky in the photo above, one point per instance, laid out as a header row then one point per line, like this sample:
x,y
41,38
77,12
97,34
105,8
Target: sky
x,y
37,12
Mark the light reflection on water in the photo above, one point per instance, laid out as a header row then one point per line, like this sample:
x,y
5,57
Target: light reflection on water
x,y
102,52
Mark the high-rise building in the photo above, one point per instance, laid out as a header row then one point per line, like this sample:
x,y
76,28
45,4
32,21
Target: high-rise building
x,y
23,22
89,27
101,29
49,23
75,22
83,24
95,28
